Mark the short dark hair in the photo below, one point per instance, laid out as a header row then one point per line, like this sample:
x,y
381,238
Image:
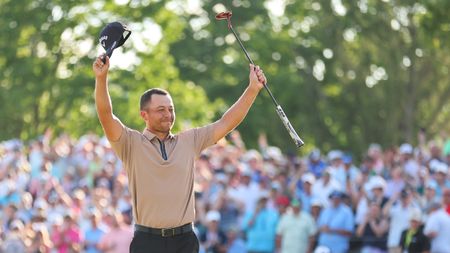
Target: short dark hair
x,y
147,96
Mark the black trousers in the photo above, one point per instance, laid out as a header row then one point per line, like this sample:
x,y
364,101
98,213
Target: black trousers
x,y
148,243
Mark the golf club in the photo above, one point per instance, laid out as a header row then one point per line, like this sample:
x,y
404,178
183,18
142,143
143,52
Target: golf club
x,y
297,140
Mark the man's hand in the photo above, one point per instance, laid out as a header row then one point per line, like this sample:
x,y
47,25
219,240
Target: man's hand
x,y
100,68
257,77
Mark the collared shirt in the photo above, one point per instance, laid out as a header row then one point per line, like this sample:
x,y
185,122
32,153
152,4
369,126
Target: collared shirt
x,y
340,218
261,235
295,231
439,222
161,174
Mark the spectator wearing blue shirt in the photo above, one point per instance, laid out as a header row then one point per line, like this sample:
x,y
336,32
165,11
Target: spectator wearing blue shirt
x,y
260,228
336,224
315,164
305,193
93,234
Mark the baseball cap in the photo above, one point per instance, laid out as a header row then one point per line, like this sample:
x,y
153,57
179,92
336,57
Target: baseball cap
x,y
406,148
213,215
336,194
113,36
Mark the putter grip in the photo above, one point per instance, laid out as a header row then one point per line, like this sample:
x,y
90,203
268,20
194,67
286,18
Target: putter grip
x,y
291,130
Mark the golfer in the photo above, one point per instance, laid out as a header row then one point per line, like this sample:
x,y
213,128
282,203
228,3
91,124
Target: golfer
x,y
160,164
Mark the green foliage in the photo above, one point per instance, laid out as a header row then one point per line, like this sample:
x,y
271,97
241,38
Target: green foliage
x,y
46,77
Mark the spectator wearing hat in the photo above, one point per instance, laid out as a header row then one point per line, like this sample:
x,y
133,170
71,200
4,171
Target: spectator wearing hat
x,y
399,212
315,164
413,240
259,226
229,210
373,230
40,241
247,192
409,164
374,193
429,197
67,238
376,153
305,193
437,227
323,187
235,244
213,239
336,224
440,171
296,230
14,240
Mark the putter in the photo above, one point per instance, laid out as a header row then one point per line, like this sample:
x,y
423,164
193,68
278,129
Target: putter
x,y
297,140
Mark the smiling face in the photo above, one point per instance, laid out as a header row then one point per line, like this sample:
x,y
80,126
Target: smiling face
x,y
159,113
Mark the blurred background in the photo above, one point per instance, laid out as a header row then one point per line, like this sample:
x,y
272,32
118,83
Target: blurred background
x,y
363,77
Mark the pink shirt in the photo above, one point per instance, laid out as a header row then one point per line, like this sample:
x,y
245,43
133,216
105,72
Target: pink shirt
x,y
65,239
117,240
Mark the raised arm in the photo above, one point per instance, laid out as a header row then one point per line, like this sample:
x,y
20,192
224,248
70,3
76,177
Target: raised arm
x,y
110,123
237,112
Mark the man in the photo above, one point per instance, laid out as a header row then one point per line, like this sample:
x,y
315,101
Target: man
x,y
296,230
437,227
260,228
160,165
336,224
399,215
119,236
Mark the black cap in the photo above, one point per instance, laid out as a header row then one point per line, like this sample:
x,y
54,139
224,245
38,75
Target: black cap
x,y
113,36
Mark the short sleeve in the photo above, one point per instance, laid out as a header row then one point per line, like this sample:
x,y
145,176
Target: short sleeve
x,y
349,221
203,138
312,226
281,226
432,225
122,147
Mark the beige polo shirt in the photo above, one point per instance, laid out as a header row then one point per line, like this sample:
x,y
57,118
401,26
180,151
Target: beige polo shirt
x,y
162,190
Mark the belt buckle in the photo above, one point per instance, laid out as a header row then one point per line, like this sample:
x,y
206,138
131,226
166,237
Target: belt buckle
x,y
165,234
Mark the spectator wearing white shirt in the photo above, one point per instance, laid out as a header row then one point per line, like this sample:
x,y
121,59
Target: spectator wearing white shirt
x,y
437,227
323,187
399,215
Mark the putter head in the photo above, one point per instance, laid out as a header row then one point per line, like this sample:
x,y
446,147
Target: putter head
x,y
224,15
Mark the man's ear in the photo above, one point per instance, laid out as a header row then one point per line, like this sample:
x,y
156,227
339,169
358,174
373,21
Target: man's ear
x,y
143,115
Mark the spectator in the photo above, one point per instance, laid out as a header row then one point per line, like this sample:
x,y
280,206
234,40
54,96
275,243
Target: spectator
x,y
235,244
118,238
67,238
336,224
296,230
325,186
399,214
315,164
437,227
213,239
396,183
305,194
373,230
94,233
413,240
260,228
14,241
40,243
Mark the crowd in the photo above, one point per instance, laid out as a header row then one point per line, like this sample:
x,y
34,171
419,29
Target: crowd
x,y
63,195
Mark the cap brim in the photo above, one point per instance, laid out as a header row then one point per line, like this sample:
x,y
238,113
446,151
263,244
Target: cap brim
x,y
110,50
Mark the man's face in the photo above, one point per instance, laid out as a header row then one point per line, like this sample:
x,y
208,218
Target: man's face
x,y
159,114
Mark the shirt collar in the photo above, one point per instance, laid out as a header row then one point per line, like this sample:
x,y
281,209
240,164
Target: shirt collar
x,y
149,135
